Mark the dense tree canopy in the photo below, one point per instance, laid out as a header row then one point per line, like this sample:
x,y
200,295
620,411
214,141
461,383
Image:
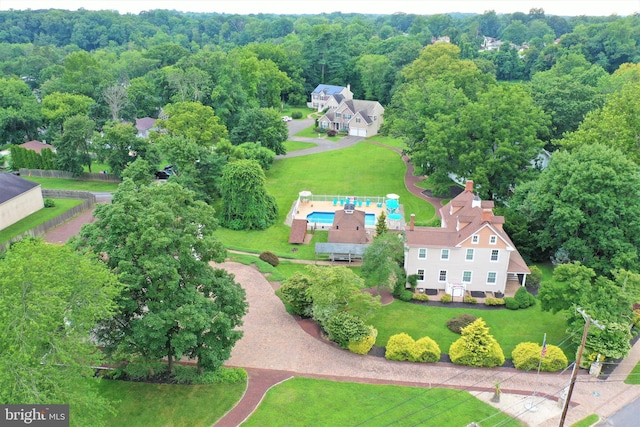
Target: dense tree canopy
x,y
247,205
52,297
160,240
263,126
586,204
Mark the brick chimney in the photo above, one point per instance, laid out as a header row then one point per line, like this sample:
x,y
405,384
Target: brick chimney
x,y
412,222
487,215
468,186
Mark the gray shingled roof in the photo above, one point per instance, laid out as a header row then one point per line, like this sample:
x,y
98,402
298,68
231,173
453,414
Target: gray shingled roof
x,y
12,186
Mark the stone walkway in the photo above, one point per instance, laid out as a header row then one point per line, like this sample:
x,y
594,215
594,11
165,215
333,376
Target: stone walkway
x,y
292,351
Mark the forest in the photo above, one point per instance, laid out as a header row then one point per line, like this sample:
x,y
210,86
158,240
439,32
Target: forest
x,y
487,97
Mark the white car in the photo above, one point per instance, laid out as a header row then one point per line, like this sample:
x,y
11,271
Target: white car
x,y
286,119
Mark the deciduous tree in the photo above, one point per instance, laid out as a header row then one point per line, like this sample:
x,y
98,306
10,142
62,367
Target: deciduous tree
x,y
52,298
246,203
159,240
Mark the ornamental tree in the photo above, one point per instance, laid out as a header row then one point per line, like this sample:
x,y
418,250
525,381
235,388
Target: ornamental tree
x,y
476,347
159,240
246,203
52,298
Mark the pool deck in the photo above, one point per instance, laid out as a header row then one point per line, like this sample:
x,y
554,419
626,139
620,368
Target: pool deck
x,y
309,206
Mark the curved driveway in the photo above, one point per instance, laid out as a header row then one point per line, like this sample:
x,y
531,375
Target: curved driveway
x,y
274,340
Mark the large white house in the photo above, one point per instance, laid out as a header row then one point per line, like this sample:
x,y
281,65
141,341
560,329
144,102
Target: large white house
x,y
469,252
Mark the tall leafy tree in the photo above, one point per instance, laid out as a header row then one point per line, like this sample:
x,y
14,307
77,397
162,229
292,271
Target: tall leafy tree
x,y
72,147
382,260
263,126
159,239
193,120
575,205
20,113
246,203
52,298
119,142
57,107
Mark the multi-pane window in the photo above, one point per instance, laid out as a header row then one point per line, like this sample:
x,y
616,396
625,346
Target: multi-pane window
x,y
475,239
466,277
422,253
495,254
469,255
444,254
492,277
493,239
442,277
358,120
420,275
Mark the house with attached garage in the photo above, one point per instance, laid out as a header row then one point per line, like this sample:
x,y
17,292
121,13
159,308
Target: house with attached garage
x,y
357,117
329,96
470,252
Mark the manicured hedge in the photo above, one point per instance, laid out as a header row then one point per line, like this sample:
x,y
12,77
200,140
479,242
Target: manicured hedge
x,y
527,356
364,345
476,347
402,347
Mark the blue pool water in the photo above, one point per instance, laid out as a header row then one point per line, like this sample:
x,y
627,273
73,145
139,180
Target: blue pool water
x,y
327,218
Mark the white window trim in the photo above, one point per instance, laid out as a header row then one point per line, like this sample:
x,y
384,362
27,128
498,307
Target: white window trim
x,y
496,278
473,254
418,274
491,256
493,239
442,252
446,274
475,239
425,253
470,276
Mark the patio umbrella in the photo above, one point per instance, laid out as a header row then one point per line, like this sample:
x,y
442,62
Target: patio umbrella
x,y
393,196
304,193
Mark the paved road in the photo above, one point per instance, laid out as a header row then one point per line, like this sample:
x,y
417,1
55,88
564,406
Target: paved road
x,y
629,416
322,144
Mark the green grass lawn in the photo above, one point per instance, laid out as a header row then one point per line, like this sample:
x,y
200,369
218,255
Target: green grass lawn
x,y
97,167
73,184
363,169
387,140
37,218
147,405
312,402
297,145
634,376
586,422
509,327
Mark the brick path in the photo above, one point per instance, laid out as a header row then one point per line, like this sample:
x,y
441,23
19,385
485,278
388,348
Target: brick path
x,y
275,342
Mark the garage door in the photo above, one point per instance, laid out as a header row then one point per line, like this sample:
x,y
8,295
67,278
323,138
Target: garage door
x,y
357,132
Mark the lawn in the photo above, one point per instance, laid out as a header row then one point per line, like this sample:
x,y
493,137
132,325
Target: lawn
x,y
363,169
634,376
147,405
509,327
74,184
387,140
297,145
312,402
37,218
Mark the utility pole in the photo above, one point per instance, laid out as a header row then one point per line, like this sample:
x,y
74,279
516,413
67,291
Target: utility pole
x,y
574,373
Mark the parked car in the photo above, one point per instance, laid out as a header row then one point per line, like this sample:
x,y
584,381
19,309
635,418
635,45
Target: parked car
x,y
286,118
165,173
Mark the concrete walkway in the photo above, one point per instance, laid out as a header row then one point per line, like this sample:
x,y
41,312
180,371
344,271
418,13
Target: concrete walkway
x,y
273,341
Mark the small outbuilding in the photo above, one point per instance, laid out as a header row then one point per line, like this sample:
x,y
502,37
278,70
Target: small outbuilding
x,y
19,198
298,231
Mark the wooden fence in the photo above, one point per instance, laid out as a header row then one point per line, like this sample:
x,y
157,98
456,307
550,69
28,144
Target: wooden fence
x,y
86,176
88,203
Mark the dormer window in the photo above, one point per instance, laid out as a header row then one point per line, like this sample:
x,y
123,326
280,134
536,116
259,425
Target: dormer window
x,y
475,239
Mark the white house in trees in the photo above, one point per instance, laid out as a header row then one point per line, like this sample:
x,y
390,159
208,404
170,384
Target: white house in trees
x,y
469,252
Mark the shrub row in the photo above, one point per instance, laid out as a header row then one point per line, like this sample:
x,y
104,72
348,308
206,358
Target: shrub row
x,y
402,347
420,297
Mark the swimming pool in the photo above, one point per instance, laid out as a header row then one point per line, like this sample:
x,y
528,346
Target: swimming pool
x,y
327,218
